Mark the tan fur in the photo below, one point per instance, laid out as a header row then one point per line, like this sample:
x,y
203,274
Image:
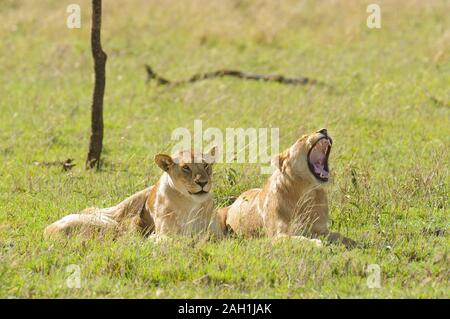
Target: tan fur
x,y
292,203
169,207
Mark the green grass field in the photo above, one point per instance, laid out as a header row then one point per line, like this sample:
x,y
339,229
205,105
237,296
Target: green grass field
x,y
388,113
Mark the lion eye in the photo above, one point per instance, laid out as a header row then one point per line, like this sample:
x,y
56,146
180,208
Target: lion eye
x,y
186,168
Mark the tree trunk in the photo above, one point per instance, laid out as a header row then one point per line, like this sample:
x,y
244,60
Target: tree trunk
x,y
96,140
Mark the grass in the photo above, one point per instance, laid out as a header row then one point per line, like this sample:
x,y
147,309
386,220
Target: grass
x,y
387,113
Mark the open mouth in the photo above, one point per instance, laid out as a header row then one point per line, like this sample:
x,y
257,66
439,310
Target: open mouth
x,y
318,159
199,193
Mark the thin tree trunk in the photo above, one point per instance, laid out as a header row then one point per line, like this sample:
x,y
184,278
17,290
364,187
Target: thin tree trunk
x,y
96,140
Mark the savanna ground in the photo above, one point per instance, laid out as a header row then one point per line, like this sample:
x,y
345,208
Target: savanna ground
x,y
388,113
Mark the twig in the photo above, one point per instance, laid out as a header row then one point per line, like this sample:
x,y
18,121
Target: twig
x,y
152,75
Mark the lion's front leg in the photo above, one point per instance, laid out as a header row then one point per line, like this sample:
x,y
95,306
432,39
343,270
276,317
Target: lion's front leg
x,y
315,241
158,238
166,224
318,217
335,237
320,228
165,227
282,230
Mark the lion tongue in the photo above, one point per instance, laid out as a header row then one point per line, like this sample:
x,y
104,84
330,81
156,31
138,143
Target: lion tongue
x,y
318,158
320,169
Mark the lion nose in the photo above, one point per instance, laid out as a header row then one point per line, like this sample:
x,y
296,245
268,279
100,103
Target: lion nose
x,y
202,184
323,131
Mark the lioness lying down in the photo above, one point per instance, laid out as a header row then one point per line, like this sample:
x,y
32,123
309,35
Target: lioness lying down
x,y
293,201
179,203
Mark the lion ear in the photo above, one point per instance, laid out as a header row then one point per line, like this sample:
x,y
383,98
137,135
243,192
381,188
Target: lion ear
x,y
164,161
210,156
279,161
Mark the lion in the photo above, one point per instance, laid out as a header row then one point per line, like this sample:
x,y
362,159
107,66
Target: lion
x,y
293,202
180,203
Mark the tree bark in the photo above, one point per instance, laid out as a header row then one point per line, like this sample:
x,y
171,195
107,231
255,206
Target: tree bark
x,y
96,139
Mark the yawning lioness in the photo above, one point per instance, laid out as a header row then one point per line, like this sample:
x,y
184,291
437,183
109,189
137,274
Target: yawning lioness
x,y
293,202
